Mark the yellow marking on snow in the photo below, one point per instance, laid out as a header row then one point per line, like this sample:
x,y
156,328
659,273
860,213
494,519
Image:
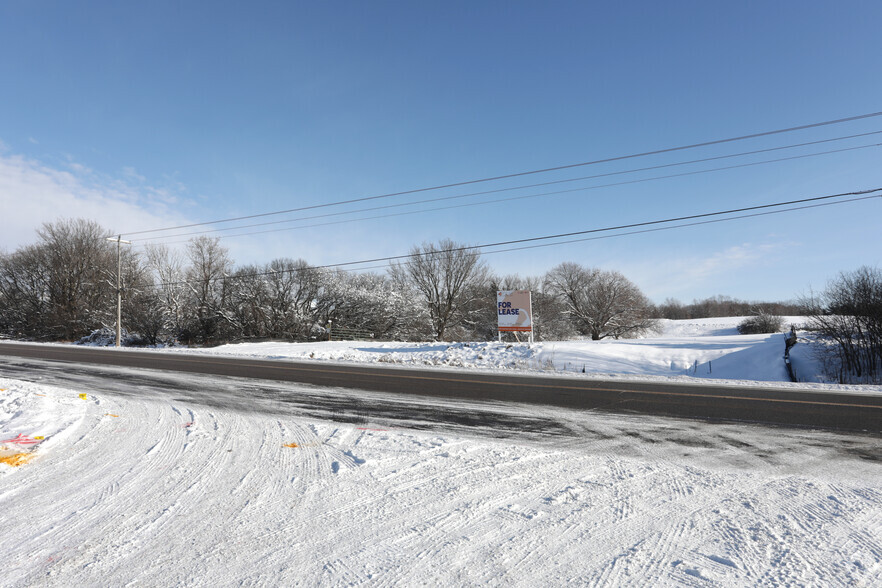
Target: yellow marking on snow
x,y
16,459
39,437
84,396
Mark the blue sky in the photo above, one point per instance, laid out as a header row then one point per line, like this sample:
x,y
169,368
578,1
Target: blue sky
x,y
143,115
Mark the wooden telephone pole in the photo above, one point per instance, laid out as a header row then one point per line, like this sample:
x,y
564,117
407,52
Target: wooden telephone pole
x,y
119,242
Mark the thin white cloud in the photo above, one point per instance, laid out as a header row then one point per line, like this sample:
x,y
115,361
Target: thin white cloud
x,y
132,174
32,193
687,275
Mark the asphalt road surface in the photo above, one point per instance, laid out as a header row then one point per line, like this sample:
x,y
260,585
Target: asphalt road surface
x,y
844,411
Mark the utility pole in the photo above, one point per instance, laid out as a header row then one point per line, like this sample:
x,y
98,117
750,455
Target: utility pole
x,y
119,242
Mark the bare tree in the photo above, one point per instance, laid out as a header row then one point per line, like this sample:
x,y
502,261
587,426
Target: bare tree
x,y
600,303
24,293
365,301
168,277
671,309
448,277
69,275
248,303
293,287
849,314
210,265
277,300
413,321
549,317
64,286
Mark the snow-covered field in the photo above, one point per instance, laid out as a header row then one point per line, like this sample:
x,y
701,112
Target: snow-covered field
x,y
698,348
148,491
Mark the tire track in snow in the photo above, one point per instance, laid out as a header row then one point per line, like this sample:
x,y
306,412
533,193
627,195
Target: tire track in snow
x,y
394,530
149,460
293,471
640,544
77,463
131,515
485,513
819,518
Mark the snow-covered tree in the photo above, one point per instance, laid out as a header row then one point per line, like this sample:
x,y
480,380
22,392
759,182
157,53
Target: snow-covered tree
x,y
449,278
600,303
24,294
64,286
206,281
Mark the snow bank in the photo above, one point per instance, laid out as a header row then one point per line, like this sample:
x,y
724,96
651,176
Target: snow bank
x,y
700,348
741,357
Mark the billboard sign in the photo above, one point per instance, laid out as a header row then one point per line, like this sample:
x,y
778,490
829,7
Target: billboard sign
x,y
514,311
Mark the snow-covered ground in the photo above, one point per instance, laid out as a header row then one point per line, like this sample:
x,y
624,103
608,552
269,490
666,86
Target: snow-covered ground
x,y
148,490
147,486
698,348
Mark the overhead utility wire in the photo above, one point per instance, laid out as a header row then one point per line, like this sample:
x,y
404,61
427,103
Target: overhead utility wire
x,y
547,237
483,202
527,173
642,231
684,225
512,188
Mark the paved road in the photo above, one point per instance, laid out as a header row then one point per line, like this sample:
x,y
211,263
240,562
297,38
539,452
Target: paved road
x,y
764,405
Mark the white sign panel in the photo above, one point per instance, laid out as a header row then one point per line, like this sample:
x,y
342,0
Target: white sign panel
x,y
514,311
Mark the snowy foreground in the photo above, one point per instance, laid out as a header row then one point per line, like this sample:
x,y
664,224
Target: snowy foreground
x,y
145,490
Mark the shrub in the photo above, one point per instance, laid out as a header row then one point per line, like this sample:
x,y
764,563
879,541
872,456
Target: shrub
x,y
761,322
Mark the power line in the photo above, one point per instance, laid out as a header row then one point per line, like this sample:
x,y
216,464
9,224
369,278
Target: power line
x,y
871,193
657,229
494,201
512,188
525,173
684,225
624,234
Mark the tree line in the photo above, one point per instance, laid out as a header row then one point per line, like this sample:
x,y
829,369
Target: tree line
x,y
723,306
63,287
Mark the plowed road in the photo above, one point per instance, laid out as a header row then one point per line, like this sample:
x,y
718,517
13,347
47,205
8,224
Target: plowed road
x,y
763,405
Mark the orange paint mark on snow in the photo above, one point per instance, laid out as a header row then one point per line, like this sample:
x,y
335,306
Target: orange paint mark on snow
x,y
290,445
16,459
116,416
